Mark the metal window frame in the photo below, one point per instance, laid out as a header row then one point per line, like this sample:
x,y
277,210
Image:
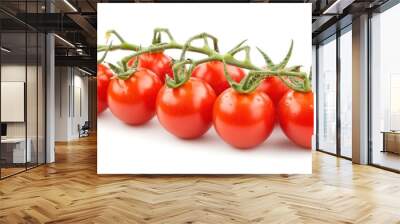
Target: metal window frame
x,y
339,32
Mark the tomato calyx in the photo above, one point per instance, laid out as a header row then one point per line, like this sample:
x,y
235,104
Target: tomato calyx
x,y
271,65
276,67
122,71
298,82
181,73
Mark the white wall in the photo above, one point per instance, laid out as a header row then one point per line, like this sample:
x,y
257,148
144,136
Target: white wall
x,y
61,103
70,83
33,127
12,100
16,73
81,88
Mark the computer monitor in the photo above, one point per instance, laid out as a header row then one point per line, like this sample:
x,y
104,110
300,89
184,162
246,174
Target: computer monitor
x,y
3,129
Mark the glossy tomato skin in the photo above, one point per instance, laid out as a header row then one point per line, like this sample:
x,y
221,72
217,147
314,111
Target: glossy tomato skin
x,y
296,117
103,79
243,120
213,73
157,62
133,100
186,111
274,87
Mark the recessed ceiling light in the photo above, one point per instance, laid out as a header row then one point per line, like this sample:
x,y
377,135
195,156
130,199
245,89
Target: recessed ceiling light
x,y
337,7
70,5
64,40
84,71
5,50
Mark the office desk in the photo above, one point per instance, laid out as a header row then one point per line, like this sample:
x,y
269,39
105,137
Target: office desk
x,y
15,148
391,141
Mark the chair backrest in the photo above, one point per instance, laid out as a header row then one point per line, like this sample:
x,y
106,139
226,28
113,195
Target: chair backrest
x,y
86,124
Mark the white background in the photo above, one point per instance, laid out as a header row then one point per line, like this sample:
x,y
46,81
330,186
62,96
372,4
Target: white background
x,y
149,148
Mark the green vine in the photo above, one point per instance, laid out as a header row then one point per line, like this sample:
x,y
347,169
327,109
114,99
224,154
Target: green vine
x,y
182,68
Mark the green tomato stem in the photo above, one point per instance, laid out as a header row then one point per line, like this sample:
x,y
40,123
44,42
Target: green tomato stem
x,y
255,76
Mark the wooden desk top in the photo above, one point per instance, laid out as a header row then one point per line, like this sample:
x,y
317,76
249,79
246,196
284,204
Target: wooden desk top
x,y
391,132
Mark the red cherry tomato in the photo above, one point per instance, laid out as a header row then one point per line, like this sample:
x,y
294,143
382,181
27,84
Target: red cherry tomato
x,y
213,73
186,111
243,120
274,87
133,100
296,117
157,62
103,79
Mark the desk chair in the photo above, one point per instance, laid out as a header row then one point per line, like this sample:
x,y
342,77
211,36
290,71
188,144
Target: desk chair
x,y
84,130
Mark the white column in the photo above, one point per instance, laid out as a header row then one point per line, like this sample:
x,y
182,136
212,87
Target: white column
x,y
360,90
50,92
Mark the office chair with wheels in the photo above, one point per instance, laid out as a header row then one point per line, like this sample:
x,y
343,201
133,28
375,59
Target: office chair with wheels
x,y
84,130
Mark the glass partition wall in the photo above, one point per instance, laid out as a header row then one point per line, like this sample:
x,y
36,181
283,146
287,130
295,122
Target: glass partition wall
x,y
13,89
345,61
327,95
22,77
334,109
385,89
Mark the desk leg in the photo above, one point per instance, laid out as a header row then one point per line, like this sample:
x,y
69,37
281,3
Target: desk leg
x,y
384,142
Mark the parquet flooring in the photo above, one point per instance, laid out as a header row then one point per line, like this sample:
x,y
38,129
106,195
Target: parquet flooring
x,y
10,171
70,191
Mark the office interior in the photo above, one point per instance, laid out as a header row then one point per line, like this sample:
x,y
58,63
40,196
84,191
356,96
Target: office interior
x,y
372,36
48,112
48,83
41,61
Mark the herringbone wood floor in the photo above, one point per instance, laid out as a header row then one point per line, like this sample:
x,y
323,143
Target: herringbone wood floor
x,y
69,191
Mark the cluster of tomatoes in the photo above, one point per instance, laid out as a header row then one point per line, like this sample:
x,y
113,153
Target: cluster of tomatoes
x,y
188,111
